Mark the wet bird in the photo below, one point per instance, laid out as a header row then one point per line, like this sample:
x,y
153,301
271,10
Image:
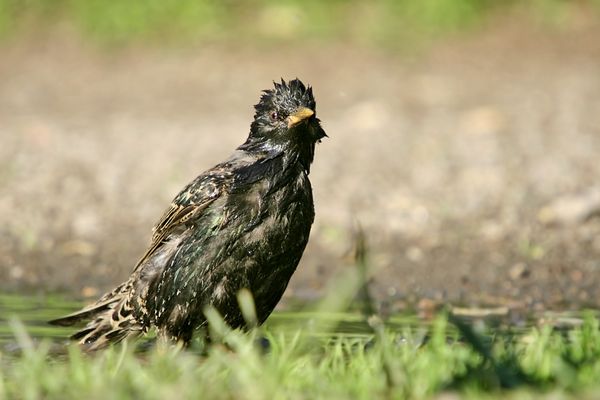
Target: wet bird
x,y
242,224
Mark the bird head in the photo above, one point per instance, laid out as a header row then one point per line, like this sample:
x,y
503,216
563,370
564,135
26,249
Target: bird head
x,y
286,115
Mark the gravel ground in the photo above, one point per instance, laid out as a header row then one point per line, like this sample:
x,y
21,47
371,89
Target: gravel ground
x,y
472,167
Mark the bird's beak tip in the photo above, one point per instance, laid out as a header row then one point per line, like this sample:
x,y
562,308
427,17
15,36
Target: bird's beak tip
x,y
300,115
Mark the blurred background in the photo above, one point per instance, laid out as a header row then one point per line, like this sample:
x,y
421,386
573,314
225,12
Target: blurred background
x,y
464,138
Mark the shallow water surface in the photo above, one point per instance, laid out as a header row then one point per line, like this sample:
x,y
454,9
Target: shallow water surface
x,y
33,312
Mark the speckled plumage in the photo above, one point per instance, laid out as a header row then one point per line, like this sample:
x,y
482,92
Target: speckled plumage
x,y
242,224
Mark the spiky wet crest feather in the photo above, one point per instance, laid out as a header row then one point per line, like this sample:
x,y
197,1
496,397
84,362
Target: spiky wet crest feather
x,y
285,96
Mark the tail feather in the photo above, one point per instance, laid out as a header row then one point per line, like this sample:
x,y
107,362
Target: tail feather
x,y
103,304
104,334
80,334
83,314
112,321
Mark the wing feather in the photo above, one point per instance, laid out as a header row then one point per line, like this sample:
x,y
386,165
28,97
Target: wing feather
x,y
182,213
186,208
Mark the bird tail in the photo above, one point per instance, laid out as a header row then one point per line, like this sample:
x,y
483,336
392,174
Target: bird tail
x,y
110,321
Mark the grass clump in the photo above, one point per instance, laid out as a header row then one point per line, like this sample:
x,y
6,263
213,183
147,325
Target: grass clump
x,y
300,365
311,357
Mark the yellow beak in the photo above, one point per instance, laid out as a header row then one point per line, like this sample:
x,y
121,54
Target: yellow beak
x,y
299,116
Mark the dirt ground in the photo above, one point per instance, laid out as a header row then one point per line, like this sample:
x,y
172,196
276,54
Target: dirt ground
x,y
473,167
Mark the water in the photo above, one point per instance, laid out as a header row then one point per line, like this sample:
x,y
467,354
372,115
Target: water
x,y
34,312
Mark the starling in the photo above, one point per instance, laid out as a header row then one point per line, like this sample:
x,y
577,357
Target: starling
x,y
243,224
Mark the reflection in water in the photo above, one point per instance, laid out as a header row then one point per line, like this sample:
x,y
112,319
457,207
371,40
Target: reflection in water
x,y
34,312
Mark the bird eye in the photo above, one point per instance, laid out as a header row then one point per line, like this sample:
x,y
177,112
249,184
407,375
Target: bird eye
x,y
274,115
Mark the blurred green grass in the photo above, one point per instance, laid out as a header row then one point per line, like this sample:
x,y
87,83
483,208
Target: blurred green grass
x,y
379,22
541,363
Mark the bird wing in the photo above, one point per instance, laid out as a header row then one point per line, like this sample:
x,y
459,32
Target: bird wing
x,y
186,208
